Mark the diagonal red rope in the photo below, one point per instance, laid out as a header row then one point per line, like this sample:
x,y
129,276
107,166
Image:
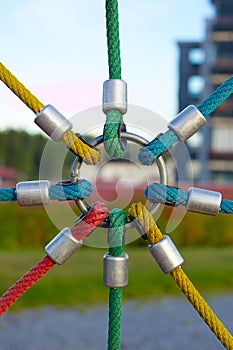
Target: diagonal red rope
x,y
97,214
24,283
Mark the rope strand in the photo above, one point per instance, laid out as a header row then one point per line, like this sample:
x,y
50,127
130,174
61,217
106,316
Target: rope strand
x,y
116,232
144,218
89,154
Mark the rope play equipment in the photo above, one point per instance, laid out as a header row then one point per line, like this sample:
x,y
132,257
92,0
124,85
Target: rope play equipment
x,y
154,236
78,146
58,254
115,139
80,190
114,118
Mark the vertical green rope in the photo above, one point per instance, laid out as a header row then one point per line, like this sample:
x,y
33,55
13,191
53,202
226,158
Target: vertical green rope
x,y
116,231
113,39
114,118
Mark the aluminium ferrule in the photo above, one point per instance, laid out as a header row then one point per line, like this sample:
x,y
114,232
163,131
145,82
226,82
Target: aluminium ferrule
x,y
62,246
52,122
187,123
166,254
204,201
114,95
115,270
33,193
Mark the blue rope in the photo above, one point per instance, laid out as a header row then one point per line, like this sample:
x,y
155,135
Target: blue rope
x,y
155,148
217,97
81,190
166,194
157,193
7,194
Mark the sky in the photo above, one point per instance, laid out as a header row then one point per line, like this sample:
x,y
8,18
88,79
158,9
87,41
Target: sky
x,y
58,50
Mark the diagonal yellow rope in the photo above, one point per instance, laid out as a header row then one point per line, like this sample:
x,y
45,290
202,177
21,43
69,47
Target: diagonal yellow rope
x,y
89,154
146,221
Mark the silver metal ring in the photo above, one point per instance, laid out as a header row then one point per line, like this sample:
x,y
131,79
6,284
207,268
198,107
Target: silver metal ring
x,y
84,207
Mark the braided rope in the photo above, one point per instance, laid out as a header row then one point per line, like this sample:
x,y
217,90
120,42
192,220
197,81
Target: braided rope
x,y
80,190
155,148
20,90
117,219
98,213
113,39
158,193
69,192
89,154
145,219
114,118
217,97
24,283
112,142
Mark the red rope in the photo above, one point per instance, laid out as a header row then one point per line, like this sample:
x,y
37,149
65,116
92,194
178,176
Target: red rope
x,y
24,283
84,228
98,213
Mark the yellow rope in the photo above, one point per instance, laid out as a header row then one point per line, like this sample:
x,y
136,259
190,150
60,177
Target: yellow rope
x,y
89,154
82,149
146,221
19,89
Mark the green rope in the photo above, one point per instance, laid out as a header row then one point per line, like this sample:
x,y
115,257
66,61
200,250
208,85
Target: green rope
x,y
116,231
111,134
114,118
113,39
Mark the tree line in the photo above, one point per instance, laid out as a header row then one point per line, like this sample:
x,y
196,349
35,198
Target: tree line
x,y
23,151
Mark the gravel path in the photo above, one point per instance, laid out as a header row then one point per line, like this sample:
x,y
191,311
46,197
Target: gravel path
x,y
166,324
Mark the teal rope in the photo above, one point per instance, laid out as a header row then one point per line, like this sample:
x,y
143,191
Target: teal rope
x,y
157,193
7,194
155,148
117,219
217,97
81,190
114,118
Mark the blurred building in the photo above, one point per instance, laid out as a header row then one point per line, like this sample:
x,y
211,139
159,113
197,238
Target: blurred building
x,y
202,67
7,176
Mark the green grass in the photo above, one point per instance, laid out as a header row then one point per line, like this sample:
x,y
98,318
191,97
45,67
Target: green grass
x,y
79,281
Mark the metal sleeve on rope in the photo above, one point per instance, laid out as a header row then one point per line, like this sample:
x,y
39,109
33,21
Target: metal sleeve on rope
x,y
33,193
166,254
115,90
60,249
145,219
115,95
41,192
187,123
154,149
52,122
197,200
117,219
82,149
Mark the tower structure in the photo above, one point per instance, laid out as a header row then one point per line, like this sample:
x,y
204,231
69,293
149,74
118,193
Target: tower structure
x,y
203,66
